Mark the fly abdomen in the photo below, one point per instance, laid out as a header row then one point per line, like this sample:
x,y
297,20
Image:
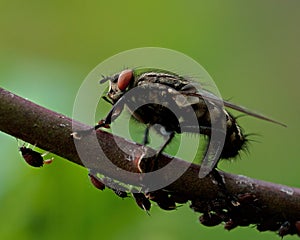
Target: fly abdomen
x,y
235,140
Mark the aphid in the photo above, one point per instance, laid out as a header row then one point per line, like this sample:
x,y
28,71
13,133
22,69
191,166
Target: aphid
x,y
179,198
199,205
115,187
268,225
210,219
163,200
157,86
120,193
107,182
142,201
96,182
230,224
284,229
34,158
297,227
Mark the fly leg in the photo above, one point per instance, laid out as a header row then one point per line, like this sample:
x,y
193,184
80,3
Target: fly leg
x,y
152,165
230,199
211,159
110,117
146,136
169,136
141,162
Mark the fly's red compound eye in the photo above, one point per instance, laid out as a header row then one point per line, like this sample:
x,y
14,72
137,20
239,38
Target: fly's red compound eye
x,y
124,79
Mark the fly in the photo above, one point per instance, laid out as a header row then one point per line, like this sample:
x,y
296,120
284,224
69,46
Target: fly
x,y
157,86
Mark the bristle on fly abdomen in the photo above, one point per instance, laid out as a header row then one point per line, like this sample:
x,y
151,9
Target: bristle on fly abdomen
x,y
235,140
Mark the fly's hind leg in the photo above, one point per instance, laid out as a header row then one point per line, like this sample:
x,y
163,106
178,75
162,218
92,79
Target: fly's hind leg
x,y
230,199
210,162
168,138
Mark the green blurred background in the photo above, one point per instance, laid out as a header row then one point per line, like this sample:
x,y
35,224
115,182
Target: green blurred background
x,y
250,48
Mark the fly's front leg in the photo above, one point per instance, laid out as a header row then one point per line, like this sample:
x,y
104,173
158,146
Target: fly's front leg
x,y
139,159
110,117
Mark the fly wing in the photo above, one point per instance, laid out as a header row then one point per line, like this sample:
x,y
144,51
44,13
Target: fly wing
x,y
251,113
210,160
203,94
211,157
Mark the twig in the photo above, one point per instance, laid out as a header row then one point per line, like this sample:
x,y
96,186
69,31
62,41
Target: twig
x,y
267,205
